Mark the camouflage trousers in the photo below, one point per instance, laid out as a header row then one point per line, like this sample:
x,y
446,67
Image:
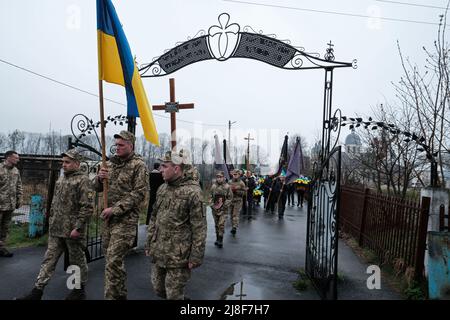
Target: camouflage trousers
x,y
169,283
5,222
220,218
118,239
236,206
55,249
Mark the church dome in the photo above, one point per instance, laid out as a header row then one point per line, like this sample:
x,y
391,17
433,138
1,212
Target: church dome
x,y
353,139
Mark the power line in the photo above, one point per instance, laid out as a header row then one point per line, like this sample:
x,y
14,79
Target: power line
x,y
332,12
412,4
96,95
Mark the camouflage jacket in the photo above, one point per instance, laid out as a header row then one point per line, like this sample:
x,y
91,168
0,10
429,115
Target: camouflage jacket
x,y
223,191
72,205
238,188
177,228
10,188
128,188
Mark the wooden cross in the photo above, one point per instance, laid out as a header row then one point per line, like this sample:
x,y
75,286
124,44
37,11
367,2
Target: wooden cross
x,y
173,106
248,151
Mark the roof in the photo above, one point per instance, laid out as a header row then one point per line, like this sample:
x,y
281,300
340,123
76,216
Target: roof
x,y
353,139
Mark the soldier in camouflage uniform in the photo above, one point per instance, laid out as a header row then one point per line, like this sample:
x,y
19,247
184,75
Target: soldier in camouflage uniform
x,y
10,196
221,196
128,183
71,208
177,229
238,188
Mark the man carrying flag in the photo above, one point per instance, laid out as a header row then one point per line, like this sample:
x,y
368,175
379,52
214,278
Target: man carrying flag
x,y
127,171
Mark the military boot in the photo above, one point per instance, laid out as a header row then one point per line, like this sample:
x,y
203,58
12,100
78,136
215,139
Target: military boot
x,y
35,294
233,231
217,240
77,294
220,242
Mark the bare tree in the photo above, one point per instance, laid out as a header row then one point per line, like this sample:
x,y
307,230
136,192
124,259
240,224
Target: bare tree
x,y
427,93
390,160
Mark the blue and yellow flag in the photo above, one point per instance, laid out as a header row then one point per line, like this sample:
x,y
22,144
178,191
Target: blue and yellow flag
x,y
116,65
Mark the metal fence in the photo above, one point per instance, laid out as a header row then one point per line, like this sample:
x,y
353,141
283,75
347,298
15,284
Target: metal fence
x,y
394,228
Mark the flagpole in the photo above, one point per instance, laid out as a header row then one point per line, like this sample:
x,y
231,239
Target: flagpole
x,y
102,137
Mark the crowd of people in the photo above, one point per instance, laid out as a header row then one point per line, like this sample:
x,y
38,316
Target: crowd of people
x,y
176,218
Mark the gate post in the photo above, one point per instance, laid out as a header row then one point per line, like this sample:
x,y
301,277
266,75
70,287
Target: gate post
x,y
422,237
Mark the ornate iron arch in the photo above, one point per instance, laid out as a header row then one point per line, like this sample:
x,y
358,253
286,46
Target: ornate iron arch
x,y
226,41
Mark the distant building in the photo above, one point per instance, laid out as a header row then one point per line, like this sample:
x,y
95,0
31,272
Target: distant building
x,y
353,144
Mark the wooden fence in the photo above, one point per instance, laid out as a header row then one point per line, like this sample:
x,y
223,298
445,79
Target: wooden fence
x,y
394,228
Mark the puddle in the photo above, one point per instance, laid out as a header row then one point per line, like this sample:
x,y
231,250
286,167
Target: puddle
x,y
242,290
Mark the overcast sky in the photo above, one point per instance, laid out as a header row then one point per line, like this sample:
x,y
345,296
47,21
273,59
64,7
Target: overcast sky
x,y
57,38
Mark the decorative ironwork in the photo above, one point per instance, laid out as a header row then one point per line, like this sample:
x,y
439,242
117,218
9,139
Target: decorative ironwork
x,y
225,41
322,225
81,127
355,122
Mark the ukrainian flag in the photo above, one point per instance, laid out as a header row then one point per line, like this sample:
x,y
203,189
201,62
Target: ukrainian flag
x,y
116,65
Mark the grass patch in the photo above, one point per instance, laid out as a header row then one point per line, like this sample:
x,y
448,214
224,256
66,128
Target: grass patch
x,y
18,237
415,291
302,283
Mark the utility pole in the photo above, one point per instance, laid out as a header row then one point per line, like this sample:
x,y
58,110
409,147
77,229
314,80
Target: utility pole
x,y
248,151
229,138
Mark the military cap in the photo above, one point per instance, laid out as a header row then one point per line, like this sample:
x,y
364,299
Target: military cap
x,y
236,171
125,135
220,173
73,154
180,157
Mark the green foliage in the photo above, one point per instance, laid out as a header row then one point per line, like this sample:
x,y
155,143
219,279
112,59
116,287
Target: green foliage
x,y
414,291
302,283
18,237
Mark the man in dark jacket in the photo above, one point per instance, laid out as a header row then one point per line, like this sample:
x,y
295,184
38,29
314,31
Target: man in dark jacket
x,y
251,185
156,180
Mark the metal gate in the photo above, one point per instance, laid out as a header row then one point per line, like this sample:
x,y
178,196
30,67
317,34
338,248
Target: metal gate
x,y
94,248
323,208
322,226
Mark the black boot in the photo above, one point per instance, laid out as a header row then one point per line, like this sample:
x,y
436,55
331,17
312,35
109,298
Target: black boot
x,y
35,294
77,294
217,240
220,242
233,231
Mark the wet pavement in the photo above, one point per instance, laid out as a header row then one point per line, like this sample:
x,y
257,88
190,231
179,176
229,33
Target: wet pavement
x,y
259,263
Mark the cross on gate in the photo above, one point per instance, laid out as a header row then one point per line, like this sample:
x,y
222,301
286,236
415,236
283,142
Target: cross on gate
x,y
248,151
173,106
